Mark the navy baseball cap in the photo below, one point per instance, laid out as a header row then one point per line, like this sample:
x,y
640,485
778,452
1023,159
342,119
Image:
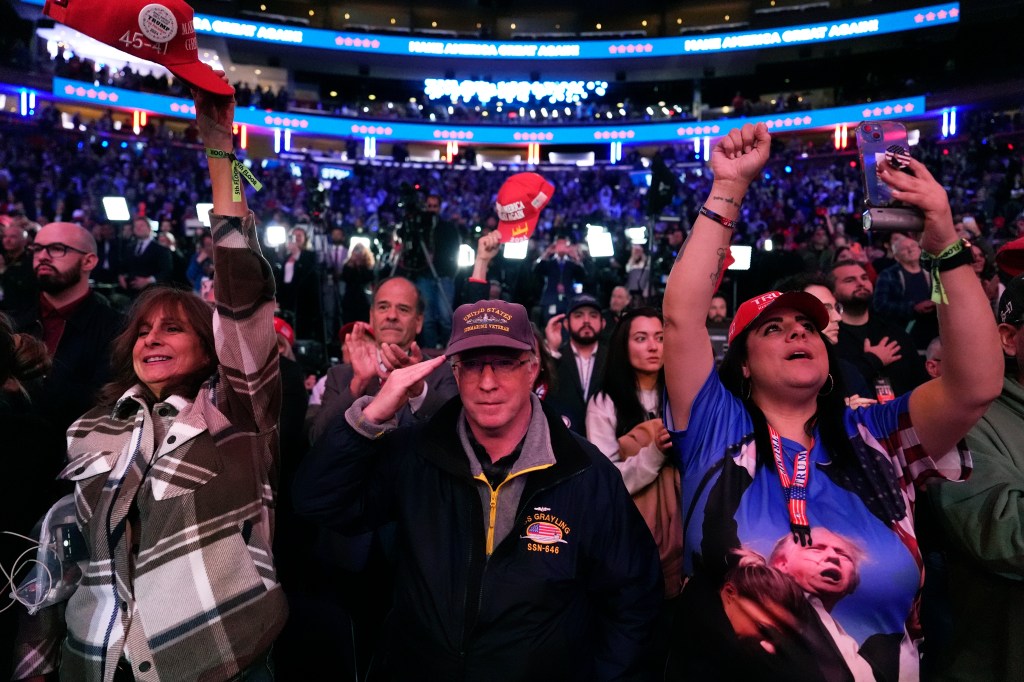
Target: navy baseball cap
x,y
582,301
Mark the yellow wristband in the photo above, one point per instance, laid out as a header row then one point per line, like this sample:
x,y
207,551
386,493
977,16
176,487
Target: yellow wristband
x,y
238,170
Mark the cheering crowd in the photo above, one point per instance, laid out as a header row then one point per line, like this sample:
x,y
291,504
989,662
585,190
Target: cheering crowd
x,y
559,467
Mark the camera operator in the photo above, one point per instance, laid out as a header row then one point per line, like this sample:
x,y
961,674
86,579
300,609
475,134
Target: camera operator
x,y
429,256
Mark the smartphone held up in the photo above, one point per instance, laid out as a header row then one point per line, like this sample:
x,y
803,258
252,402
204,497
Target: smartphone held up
x,y
878,140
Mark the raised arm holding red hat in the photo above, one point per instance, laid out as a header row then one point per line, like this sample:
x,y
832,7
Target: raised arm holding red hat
x,y
187,429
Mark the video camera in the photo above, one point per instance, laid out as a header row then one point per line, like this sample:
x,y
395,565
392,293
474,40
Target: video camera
x,y
414,230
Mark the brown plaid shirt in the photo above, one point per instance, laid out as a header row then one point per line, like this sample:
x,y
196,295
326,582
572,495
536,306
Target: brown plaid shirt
x,y
176,505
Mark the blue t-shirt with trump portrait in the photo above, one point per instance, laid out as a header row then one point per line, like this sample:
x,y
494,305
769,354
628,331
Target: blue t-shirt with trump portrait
x,y
843,606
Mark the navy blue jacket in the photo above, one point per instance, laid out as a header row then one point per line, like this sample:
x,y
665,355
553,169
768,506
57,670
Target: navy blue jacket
x,y
586,612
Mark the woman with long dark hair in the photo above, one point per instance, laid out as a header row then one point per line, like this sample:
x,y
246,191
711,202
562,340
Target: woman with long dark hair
x,y
175,473
624,422
774,462
623,419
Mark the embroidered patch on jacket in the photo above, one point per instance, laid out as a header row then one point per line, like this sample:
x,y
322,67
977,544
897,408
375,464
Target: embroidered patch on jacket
x,y
545,531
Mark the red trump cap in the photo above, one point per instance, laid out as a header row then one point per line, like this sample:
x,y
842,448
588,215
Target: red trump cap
x,y
519,204
750,310
161,32
285,330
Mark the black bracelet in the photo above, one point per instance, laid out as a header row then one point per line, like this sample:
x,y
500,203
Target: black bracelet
x,y
953,256
962,257
718,218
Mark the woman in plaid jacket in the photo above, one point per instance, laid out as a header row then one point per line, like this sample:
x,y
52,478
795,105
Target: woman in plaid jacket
x,y
175,474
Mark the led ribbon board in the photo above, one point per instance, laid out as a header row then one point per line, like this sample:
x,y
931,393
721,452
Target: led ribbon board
x,y
390,130
631,48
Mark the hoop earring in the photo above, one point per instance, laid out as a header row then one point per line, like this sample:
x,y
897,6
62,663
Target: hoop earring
x,y
831,386
745,387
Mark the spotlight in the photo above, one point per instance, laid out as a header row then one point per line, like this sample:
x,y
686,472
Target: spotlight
x,y
116,209
516,250
203,213
276,235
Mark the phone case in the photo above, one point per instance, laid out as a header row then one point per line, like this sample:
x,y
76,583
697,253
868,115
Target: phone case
x,y
876,140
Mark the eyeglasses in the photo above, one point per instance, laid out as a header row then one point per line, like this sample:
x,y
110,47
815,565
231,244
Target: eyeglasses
x,y
54,250
503,368
838,307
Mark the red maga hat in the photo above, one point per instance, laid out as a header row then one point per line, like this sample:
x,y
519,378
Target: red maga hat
x,y
801,301
285,330
519,204
161,32
1010,257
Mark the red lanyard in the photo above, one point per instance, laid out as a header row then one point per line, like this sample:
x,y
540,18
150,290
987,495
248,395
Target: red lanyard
x,y
795,489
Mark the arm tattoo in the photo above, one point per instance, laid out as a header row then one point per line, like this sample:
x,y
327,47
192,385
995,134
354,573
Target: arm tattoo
x,y
721,262
726,200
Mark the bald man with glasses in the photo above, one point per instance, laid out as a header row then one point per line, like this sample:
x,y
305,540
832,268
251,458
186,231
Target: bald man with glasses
x,y
76,324
519,553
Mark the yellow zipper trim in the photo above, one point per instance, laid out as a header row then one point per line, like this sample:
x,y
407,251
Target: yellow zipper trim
x,y
493,513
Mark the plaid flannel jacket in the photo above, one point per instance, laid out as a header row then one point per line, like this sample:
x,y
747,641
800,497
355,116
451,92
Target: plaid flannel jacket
x,y
199,599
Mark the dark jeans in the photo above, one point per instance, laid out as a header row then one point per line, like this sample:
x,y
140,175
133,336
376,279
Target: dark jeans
x,y
437,314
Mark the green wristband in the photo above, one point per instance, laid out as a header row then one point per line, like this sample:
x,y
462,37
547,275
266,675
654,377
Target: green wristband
x,y
238,171
953,256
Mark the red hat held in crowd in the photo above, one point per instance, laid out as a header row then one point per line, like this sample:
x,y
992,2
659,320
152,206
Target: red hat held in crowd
x,y
519,204
161,32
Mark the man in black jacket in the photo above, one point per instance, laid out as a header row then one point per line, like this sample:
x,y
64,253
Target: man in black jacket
x,y
579,361
560,269
145,261
519,553
883,353
76,324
